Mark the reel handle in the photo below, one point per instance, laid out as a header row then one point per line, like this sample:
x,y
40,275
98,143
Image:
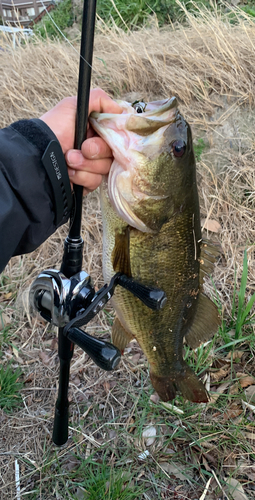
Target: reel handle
x,y
152,297
104,354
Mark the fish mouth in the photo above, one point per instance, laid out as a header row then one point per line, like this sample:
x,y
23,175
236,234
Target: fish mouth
x,y
132,136
123,196
163,111
123,199
161,108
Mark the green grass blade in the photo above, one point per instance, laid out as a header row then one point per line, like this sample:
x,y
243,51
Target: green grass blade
x,y
247,309
241,293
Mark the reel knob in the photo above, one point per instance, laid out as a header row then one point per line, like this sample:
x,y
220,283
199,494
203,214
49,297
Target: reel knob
x,y
152,297
104,354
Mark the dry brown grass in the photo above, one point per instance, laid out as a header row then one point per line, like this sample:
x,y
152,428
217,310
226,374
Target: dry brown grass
x,y
209,65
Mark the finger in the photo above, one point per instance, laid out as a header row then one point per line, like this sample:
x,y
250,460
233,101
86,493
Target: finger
x,y
95,148
78,162
92,149
99,101
88,180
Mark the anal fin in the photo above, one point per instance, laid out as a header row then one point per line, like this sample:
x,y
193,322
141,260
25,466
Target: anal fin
x,y
205,324
120,337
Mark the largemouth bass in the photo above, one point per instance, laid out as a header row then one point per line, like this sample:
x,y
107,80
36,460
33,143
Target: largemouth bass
x,y
151,231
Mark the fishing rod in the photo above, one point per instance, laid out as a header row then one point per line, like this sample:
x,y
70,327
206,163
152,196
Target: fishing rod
x,y
67,298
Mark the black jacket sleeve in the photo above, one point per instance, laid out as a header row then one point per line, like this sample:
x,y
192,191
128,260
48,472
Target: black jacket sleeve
x,y
35,192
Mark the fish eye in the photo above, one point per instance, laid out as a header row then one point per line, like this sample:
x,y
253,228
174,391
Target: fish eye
x,y
139,106
178,148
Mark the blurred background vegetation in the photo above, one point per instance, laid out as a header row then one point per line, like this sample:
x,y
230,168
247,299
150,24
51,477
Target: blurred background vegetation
x,y
131,15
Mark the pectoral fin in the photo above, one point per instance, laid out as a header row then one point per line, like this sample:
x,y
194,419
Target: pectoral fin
x,y
120,337
120,253
205,324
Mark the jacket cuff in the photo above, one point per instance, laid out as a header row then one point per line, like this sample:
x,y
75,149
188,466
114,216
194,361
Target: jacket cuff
x,y
53,160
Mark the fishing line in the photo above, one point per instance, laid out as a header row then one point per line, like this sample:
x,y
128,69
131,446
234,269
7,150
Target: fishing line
x,y
65,38
68,41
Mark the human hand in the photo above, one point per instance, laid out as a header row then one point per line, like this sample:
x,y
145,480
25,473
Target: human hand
x,y
87,166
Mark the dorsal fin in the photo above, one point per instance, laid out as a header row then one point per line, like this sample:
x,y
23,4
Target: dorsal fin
x,y
120,253
205,324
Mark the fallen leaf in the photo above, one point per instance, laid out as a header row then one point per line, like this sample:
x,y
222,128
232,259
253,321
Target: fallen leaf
x,y
131,427
232,412
72,463
149,433
44,357
234,355
234,389
251,476
249,406
210,458
175,469
106,386
205,464
244,467
113,383
112,434
250,394
249,435
4,320
155,397
29,378
220,363
15,352
220,374
246,380
80,492
211,225
215,395
29,400
54,344
235,489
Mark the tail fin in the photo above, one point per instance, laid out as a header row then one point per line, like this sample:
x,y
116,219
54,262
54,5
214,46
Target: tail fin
x,y
185,381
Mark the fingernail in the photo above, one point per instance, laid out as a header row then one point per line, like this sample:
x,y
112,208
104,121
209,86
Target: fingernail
x,y
94,149
74,158
71,173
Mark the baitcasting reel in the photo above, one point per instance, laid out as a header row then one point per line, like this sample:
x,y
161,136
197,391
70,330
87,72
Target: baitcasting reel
x,y
72,303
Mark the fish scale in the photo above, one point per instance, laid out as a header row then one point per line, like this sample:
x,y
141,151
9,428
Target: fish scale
x,y
169,251
151,231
